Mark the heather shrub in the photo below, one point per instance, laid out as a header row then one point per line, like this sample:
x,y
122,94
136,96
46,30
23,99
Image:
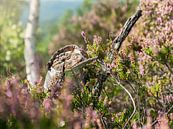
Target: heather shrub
x,y
19,108
144,67
150,45
11,38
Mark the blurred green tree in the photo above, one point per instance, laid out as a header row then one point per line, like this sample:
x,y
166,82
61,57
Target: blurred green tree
x,y
11,37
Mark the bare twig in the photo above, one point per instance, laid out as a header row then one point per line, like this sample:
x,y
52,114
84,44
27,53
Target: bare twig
x,y
169,68
100,81
169,109
166,113
116,44
83,63
133,102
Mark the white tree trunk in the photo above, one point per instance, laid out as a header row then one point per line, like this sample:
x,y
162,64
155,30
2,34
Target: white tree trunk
x,y
32,65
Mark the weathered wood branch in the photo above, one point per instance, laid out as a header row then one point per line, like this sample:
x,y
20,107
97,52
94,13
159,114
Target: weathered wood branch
x,y
116,45
117,42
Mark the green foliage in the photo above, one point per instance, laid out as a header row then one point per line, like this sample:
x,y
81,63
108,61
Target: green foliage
x,y
85,7
46,123
143,67
103,19
11,48
11,39
143,70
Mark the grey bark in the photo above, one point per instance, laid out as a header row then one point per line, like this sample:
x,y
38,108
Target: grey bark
x,y
32,65
117,42
116,45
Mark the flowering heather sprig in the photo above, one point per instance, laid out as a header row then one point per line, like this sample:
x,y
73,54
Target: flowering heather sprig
x,y
153,33
97,39
17,101
84,36
162,123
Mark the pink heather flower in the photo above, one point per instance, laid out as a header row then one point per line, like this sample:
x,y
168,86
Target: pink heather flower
x,y
9,93
97,39
159,20
134,126
83,34
47,103
162,122
141,69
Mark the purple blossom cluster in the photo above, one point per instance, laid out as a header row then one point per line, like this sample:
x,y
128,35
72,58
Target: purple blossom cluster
x,y
154,33
16,101
145,69
160,123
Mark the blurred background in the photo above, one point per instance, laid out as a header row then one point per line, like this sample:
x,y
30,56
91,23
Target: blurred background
x,y
60,23
14,16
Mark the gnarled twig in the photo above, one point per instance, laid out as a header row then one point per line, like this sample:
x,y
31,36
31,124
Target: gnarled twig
x,y
116,44
133,102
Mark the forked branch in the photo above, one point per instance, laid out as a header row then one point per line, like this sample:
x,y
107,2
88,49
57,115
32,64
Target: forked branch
x,y
116,45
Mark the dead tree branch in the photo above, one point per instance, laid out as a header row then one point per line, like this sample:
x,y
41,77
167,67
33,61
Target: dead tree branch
x,y
116,45
117,42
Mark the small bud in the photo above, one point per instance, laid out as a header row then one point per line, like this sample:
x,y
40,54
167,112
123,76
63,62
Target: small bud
x,y
83,34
